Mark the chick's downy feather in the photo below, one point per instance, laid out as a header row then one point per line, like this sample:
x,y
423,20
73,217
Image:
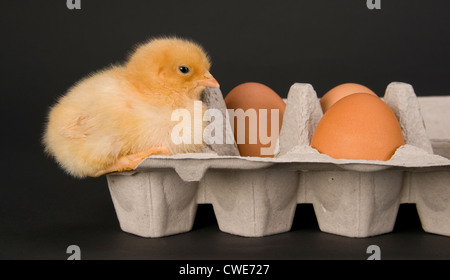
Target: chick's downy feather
x,y
114,114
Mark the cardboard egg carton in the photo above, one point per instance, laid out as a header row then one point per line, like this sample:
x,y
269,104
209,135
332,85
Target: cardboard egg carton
x,y
256,197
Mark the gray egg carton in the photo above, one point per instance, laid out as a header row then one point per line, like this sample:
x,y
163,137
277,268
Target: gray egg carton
x,y
256,197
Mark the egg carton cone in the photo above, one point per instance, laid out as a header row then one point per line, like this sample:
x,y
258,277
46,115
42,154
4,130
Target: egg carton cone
x,y
254,197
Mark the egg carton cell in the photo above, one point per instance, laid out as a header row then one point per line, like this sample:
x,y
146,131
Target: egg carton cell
x,y
254,197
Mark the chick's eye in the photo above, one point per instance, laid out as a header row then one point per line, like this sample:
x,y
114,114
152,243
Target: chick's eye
x,y
183,69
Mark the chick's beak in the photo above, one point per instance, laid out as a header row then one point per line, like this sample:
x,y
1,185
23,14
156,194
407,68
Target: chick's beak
x,y
208,81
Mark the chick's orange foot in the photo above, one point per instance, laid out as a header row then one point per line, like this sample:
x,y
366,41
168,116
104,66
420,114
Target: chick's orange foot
x,y
130,162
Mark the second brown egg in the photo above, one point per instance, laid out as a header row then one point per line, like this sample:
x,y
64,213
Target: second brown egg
x,y
341,91
256,113
358,126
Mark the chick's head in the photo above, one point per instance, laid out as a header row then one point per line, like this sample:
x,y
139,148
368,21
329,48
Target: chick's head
x,y
171,66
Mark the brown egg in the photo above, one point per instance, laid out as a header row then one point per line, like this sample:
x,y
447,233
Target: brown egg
x,y
359,126
340,91
254,131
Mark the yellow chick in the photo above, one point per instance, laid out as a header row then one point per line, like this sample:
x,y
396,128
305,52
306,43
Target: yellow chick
x,y
115,118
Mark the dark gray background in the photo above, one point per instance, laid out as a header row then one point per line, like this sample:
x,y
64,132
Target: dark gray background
x,y
45,48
